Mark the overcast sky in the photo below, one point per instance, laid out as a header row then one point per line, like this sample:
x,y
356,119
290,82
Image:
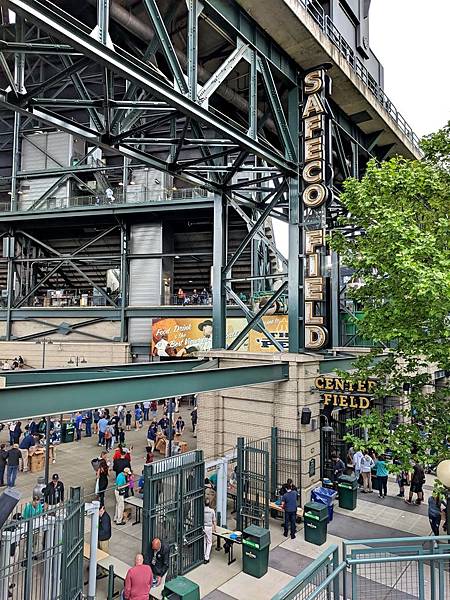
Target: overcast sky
x,y
411,38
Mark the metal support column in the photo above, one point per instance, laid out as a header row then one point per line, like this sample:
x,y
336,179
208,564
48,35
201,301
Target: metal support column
x,y
19,81
335,301
103,20
219,259
10,284
296,260
194,9
123,282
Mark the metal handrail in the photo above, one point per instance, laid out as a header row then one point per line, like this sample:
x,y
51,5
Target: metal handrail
x,y
336,38
117,198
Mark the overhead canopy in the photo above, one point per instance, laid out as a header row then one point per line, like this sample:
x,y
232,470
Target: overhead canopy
x,y
53,391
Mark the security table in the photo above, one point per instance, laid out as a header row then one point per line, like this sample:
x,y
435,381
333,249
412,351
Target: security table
x,y
225,534
138,503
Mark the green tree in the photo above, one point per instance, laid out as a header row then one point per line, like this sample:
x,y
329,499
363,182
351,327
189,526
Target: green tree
x,y
401,264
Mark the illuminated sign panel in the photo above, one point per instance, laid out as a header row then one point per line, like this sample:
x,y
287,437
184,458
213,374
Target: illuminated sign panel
x,y
316,179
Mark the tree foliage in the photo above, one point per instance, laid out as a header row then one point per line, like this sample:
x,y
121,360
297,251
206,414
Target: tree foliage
x,y
401,264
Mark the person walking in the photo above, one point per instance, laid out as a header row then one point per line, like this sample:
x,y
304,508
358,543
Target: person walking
x,y
382,475
54,491
3,457
96,416
13,458
109,437
138,581
151,435
102,480
138,415
17,432
356,461
104,529
120,492
26,447
158,559
128,420
146,410
88,420
417,481
179,425
154,409
435,512
289,505
194,419
208,528
102,427
121,461
78,425
366,465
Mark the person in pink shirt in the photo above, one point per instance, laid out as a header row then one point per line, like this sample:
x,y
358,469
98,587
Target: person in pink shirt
x,y
138,581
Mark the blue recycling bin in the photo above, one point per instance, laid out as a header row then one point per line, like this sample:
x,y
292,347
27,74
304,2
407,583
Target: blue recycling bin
x,y
325,496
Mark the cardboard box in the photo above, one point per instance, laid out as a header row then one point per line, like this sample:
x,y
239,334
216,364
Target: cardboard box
x,y
37,462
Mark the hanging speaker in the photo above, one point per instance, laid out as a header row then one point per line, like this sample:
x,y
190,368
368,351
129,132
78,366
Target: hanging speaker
x,y
305,417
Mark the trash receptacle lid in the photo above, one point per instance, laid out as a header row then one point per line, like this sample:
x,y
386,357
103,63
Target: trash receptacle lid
x,y
180,585
350,479
258,534
316,508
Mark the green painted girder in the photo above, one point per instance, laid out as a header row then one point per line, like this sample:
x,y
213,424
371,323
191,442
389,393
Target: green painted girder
x,y
32,376
21,402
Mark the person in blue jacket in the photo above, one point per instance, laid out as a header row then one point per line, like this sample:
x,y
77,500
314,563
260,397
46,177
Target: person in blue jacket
x,y
289,505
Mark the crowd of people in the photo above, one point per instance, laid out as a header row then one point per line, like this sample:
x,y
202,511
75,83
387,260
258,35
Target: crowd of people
x,y
369,467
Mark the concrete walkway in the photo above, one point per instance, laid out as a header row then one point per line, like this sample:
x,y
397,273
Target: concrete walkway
x,y
373,518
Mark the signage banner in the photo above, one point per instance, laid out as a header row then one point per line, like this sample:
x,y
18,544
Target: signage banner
x,y
338,393
179,337
317,180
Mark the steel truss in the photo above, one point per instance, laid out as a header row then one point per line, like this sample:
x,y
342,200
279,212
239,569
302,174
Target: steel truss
x,y
193,89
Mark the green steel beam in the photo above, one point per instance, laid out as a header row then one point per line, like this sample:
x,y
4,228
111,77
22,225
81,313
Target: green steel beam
x,y
39,376
62,25
166,44
277,110
241,24
21,402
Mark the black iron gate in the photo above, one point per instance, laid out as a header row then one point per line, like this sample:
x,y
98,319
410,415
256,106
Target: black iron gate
x,y
41,558
252,501
263,466
174,509
332,443
285,460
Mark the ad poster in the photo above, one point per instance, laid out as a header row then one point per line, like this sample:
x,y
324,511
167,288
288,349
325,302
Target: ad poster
x,y
185,336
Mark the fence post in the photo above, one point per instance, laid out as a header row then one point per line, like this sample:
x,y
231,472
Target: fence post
x,y
110,582
273,462
240,470
29,561
336,579
92,586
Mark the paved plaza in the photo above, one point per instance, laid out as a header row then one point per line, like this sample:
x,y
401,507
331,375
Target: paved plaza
x,y
373,518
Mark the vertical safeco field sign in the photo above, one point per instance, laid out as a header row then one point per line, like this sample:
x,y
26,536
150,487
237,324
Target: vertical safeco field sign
x,y
317,180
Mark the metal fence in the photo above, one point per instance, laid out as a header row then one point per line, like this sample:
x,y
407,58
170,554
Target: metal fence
x,y
415,568
174,509
320,580
285,459
263,466
41,558
252,499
